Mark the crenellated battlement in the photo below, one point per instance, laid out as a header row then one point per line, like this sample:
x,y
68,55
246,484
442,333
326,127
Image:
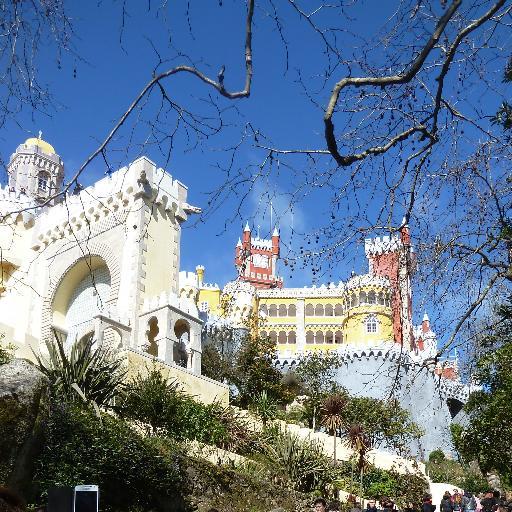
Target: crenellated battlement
x,y
378,245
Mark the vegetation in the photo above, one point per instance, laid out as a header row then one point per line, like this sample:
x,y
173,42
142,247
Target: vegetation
x,y
442,469
486,437
249,368
315,372
332,416
160,407
88,373
133,472
264,407
6,350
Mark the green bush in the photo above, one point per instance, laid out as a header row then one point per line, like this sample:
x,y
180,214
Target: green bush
x,y
447,470
162,408
132,472
6,350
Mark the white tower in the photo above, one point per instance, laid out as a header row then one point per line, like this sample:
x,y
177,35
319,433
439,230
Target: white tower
x,y
35,171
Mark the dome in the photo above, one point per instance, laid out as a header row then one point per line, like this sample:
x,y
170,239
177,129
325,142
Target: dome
x,y
45,147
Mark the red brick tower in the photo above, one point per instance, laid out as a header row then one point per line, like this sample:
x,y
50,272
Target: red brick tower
x,y
256,259
393,257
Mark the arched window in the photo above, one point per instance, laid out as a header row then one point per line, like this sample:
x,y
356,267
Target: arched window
x,y
372,299
371,324
319,310
43,181
381,299
310,310
281,339
319,337
292,310
329,311
292,337
338,310
283,310
263,309
329,337
272,310
273,336
310,337
353,301
363,298
338,337
388,300
264,334
151,334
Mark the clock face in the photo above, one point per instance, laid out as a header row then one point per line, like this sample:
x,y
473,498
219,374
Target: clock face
x,y
260,260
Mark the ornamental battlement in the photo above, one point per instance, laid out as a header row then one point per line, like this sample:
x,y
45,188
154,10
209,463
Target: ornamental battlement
x,y
261,243
378,245
112,198
367,280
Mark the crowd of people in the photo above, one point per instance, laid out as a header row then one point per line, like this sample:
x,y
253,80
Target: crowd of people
x,y
490,501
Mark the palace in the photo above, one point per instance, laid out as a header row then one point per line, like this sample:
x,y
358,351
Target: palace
x,y
105,261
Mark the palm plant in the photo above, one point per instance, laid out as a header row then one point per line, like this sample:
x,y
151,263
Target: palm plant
x,y
332,416
360,443
92,375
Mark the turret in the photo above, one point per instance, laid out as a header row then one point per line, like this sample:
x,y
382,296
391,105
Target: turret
x,y
36,172
393,257
256,259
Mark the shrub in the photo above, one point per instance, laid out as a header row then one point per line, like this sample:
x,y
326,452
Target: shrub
x,y
6,350
84,373
162,408
300,464
131,471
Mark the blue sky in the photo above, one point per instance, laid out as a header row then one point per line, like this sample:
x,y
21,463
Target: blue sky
x,y
112,64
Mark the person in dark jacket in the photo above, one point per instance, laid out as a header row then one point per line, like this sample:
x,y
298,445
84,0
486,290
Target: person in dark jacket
x,y
489,502
446,503
427,504
371,506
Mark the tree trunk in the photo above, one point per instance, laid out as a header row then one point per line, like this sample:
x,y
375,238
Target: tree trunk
x,y
361,488
334,447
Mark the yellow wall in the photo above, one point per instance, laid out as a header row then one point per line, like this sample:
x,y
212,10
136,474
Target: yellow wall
x,y
161,274
202,388
211,296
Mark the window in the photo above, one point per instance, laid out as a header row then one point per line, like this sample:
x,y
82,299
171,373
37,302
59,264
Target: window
x,y
43,179
272,310
282,337
338,337
260,260
292,337
310,310
381,299
371,324
329,337
292,310
264,334
372,299
362,298
319,337
263,310
338,310
319,310
273,336
204,306
329,310
283,310
310,337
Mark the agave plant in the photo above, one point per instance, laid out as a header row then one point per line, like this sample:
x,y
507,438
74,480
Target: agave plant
x,y
300,463
332,416
84,373
265,407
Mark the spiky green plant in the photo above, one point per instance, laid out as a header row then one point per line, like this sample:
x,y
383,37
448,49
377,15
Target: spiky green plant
x,y
84,373
360,443
300,463
265,407
331,416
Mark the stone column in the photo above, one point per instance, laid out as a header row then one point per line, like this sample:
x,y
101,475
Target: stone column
x,y
301,327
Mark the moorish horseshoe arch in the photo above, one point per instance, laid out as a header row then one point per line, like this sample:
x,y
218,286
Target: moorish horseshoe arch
x,y
77,254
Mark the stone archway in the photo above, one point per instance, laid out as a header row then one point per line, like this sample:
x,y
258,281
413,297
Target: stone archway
x,y
181,343
76,269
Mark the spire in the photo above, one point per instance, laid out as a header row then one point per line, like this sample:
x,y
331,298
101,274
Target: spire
x,y
425,324
239,243
247,228
276,232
